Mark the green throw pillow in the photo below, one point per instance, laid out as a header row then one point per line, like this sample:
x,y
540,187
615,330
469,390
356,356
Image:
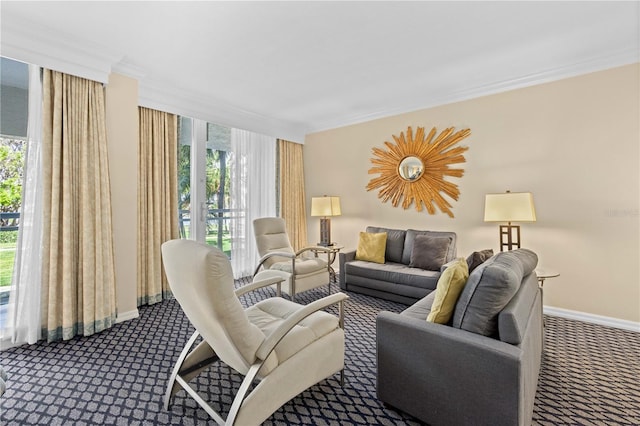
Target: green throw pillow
x,y
371,247
448,291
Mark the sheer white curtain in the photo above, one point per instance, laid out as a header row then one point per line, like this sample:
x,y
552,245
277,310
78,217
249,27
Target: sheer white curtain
x,y
253,194
24,302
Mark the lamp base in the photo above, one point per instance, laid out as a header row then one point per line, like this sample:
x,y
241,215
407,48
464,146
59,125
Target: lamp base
x,y
509,237
325,232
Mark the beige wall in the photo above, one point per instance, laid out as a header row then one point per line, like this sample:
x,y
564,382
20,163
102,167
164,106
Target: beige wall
x,y
122,135
574,143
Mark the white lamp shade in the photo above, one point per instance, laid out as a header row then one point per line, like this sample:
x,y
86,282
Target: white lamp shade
x,y
325,206
509,207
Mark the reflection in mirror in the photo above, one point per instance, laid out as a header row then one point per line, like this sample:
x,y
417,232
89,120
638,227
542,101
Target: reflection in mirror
x,y
411,168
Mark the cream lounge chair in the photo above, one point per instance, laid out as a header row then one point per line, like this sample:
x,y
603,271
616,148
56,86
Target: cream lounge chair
x,y
303,270
280,347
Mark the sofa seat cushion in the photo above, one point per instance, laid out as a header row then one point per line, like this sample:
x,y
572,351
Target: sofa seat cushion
x,y
489,289
400,293
421,309
269,314
394,273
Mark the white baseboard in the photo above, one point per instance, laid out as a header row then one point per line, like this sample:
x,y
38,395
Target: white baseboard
x,y
126,316
592,318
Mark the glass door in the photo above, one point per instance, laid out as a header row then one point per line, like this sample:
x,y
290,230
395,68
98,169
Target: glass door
x,y
184,176
217,187
204,155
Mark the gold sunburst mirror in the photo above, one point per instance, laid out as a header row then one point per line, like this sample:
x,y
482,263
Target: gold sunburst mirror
x,y
414,169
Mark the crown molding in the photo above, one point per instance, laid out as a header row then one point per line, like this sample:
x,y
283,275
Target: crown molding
x,y
615,59
176,101
125,67
64,53
56,51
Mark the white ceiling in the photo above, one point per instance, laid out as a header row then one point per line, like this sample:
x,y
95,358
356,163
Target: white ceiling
x,y
291,68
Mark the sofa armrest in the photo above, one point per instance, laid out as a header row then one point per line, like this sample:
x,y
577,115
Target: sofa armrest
x,y
444,375
345,257
3,381
446,265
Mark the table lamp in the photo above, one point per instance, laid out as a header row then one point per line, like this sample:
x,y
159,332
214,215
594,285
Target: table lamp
x,y
325,207
509,207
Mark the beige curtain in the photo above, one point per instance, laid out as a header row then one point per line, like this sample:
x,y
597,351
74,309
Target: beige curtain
x,y
158,200
292,197
78,275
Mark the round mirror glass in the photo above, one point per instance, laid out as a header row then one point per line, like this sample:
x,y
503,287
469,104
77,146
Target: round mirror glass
x,y
411,168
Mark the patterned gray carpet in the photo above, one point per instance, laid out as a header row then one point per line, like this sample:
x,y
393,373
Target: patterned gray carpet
x,y
589,376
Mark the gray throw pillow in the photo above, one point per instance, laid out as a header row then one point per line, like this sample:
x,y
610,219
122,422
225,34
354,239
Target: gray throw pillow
x,y
477,258
411,237
429,252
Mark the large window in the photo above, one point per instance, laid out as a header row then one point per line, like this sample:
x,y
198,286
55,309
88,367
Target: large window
x,y
14,77
184,175
226,178
215,199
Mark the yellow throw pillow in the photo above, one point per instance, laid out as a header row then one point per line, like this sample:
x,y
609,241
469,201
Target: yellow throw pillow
x,y
371,246
450,285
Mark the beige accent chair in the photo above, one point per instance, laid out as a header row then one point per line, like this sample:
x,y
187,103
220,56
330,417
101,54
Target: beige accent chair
x,y
301,271
3,381
280,347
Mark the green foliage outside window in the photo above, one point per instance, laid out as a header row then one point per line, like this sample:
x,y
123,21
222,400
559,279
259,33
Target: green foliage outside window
x,y
12,152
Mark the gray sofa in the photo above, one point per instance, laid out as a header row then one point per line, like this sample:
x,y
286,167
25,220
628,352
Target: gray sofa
x,y
482,368
394,280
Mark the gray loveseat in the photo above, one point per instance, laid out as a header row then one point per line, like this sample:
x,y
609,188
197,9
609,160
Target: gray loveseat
x,y
395,279
482,368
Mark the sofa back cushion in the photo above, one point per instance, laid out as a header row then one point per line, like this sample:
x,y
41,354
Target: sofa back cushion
x,y
410,238
489,289
395,243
